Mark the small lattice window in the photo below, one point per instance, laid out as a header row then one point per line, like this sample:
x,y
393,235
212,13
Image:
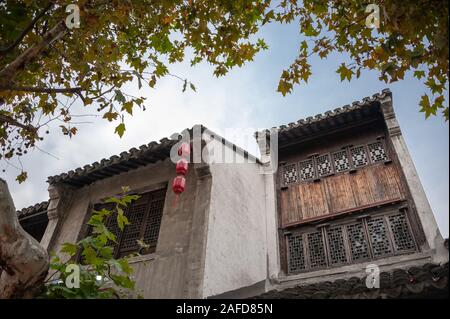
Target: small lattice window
x,y
316,249
379,238
296,253
403,239
359,248
336,244
132,232
290,174
323,165
377,152
144,215
151,231
341,162
359,156
306,170
354,241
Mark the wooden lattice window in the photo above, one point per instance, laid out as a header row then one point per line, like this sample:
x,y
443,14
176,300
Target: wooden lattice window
x,y
324,167
316,249
341,162
296,253
346,159
377,152
379,237
290,174
145,216
358,243
306,170
336,242
403,240
359,156
341,243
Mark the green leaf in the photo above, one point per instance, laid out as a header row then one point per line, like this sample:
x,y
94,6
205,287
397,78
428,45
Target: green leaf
x,y
120,129
192,87
304,47
121,265
119,96
122,220
309,31
70,249
419,74
22,177
129,198
445,114
345,72
426,107
95,220
125,266
114,200
128,106
106,252
123,281
152,81
110,116
284,87
91,256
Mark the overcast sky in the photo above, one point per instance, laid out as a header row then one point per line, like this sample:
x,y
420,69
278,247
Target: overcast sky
x,y
245,98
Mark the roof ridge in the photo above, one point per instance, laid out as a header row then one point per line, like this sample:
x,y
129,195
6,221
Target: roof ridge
x,y
365,101
132,153
41,206
134,157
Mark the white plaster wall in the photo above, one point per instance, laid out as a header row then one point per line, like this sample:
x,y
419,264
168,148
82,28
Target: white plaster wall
x,y
273,253
236,248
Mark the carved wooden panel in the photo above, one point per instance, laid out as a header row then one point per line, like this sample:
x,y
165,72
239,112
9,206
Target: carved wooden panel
x,y
369,186
359,246
354,240
316,250
296,253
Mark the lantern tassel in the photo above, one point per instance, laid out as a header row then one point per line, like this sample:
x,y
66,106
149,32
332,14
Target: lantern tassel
x,y
175,201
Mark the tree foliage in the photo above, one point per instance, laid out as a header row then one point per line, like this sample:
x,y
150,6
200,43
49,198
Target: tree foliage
x,y
45,67
411,37
101,275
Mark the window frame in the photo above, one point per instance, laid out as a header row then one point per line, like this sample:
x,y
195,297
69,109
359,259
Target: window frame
x,y
333,171
343,224
154,194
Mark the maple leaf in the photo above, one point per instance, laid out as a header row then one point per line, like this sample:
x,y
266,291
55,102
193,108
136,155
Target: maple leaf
x,y
344,72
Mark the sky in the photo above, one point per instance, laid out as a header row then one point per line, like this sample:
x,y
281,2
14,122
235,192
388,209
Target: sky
x,y
245,98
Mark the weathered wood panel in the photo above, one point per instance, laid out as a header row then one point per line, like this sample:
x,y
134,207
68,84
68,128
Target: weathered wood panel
x,y
366,187
339,193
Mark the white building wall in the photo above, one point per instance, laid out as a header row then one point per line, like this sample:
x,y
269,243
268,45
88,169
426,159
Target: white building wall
x,y
236,248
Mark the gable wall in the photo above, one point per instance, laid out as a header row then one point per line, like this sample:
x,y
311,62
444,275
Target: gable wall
x,y
167,272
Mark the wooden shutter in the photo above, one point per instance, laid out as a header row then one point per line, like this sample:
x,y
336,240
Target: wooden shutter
x,y
144,215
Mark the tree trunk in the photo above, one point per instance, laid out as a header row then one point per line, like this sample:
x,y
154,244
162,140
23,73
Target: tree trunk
x,y
24,263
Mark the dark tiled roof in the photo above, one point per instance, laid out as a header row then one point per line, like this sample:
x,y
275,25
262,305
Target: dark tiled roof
x,y
427,281
366,109
126,161
135,157
32,210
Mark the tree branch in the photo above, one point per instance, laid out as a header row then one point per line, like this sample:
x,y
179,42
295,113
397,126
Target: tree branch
x,y
75,90
10,120
8,73
23,261
6,50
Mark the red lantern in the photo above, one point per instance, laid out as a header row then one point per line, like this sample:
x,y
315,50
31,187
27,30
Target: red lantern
x,y
182,166
178,184
184,150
